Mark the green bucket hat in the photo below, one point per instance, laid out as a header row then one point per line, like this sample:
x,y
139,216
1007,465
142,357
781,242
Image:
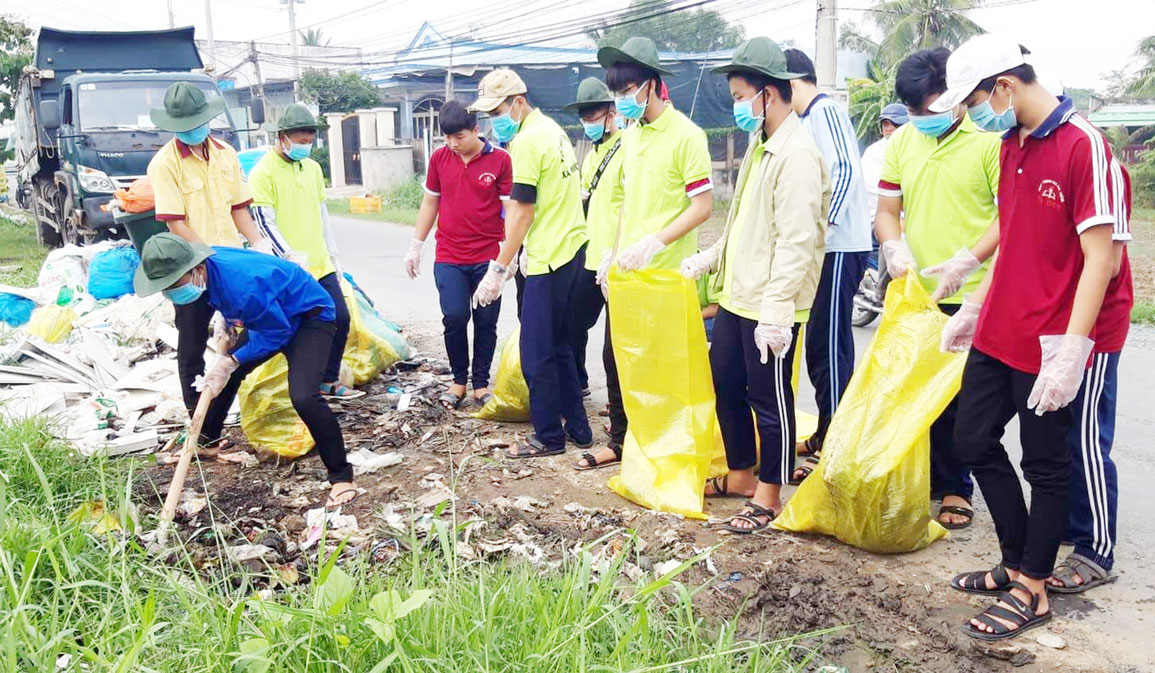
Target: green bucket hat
x,y
296,116
163,260
185,108
638,50
760,55
591,91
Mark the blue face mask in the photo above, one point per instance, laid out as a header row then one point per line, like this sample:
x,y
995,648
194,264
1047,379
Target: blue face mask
x,y
629,107
595,130
933,125
985,117
185,294
504,128
744,115
195,136
297,152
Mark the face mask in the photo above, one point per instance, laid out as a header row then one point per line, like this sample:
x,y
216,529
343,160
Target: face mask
x,y
744,115
629,107
985,117
195,136
933,125
296,151
504,128
185,294
595,130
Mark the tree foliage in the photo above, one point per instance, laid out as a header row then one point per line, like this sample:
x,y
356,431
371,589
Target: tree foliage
x,y
313,37
15,53
672,30
1143,83
338,91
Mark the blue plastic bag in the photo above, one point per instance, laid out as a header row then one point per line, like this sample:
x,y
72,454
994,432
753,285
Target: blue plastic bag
x,y
110,272
15,310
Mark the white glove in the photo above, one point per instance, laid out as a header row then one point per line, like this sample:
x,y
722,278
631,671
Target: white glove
x,y
1061,373
413,258
898,258
603,278
489,289
639,254
697,265
224,336
264,245
522,262
952,274
772,339
298,258
959,330
217,376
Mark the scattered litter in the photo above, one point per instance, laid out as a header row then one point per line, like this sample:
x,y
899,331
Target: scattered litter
x,y
191,504
336,525
95,518
249,552
663,568
1051,640
363,460
242,458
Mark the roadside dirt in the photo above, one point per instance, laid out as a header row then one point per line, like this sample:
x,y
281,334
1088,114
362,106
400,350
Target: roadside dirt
x,y
895,613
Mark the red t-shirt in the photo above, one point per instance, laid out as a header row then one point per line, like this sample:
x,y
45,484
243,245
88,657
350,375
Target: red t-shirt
x,y
1052,188
470,222
1115,315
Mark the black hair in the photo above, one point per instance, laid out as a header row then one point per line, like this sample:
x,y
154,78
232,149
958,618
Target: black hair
x,y
593,108
1024,72
919,75
620,76
760,81
454,118
799,63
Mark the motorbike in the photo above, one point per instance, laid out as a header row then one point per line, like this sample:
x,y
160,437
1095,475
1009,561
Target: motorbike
x,y
871,292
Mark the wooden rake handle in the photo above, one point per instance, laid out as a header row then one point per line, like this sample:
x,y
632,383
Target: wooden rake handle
x,y
182,467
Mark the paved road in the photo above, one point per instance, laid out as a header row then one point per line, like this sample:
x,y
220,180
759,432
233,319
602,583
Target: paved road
x,y
373,252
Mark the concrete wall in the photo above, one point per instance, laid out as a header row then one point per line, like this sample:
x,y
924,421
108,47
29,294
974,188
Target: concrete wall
x,y
385,166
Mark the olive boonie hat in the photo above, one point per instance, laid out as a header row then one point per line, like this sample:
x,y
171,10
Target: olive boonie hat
x,y
637,50
761,55
296,116
495,87
591,91
185,108
163,260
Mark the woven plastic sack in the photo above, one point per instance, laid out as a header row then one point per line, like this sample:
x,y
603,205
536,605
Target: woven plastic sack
x,y
380,326
367,354
667,391
871,488
138,198
510,401
52,323
15,310
110,272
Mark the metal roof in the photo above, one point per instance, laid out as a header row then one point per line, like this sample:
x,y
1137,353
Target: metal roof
x,y
1123,115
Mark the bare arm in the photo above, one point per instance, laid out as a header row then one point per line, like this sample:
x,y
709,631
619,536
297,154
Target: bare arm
x,y
695,214
888,219
518,219
1098,263
985,247
181,228
244,221
426,216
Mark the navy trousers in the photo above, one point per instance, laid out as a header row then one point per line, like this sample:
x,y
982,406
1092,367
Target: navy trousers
x,y
332,285
829,339
455,286
1094,481
547,356
587,305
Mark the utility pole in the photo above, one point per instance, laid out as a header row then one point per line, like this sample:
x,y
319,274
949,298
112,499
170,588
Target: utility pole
x,y
449,75
171,20
257,69
294,38
209,21
826,45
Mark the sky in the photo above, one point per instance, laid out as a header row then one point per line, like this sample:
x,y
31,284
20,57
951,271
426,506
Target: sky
x,y
1066,36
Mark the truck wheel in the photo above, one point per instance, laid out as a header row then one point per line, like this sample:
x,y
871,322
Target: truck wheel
x,y
42,201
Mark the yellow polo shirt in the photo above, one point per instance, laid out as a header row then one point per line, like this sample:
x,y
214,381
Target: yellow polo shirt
x,y
948,192
667,161
605,203
544,158
295,190
202,193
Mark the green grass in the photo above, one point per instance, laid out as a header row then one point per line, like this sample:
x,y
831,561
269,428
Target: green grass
x,y
104,604
1143,312
399,204
18,246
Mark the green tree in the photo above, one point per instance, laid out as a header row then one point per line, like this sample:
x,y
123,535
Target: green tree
x,y
671,29
338,91
15,53
1143,83
313,37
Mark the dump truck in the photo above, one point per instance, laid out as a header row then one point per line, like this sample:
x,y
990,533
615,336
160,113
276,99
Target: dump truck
x,y
82,122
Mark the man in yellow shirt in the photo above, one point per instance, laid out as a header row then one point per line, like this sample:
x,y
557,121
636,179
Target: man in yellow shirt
x,y
544,213
202,196
289,203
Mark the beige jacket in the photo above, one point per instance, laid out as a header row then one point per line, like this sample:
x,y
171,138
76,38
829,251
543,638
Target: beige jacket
x,y
782,240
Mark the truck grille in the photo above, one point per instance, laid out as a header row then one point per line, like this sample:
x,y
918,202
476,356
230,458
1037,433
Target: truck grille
x,y
123,181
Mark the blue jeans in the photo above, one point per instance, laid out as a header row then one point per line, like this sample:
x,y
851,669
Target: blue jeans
x,y
1094,481
455,285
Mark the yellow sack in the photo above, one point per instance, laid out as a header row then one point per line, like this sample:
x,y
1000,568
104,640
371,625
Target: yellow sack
x,y
510,401
267,415
871,488
660,347
52,323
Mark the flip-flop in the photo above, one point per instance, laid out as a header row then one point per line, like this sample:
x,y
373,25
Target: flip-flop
x,y
751,518
330,505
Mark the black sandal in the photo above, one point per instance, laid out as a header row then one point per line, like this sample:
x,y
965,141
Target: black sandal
x,y
804,470
1022,616
1091,573
805,449
450,401
533,448
721,486
483,400
592,462
957,510
976,582
751,518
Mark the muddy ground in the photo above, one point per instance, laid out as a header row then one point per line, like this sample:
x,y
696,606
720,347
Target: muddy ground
x,y
898,612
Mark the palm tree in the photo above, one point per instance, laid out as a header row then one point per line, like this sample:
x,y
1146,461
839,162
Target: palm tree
x,y
910,25
312,38
1144,82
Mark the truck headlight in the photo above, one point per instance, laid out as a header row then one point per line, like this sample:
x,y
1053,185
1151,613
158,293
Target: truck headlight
x,y
92,180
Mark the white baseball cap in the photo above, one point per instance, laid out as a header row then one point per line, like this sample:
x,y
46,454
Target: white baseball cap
x,y
976,59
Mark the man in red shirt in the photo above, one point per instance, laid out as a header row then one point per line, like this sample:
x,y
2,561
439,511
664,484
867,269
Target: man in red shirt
x,y
467,182
1033,320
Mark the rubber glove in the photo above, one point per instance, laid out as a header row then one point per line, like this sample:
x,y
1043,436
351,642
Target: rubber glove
x,y
217,376
774,339
489,289
639,254
603,278
413,258
951,274
699,264
298,258
1061,373
960,328
224,336
898,258
523,261
264,245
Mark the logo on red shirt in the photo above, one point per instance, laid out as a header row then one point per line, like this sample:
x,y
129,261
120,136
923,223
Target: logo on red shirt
x,y
1051,194
487,179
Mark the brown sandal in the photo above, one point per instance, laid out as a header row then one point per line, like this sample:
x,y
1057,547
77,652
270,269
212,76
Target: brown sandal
x,y
591,462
